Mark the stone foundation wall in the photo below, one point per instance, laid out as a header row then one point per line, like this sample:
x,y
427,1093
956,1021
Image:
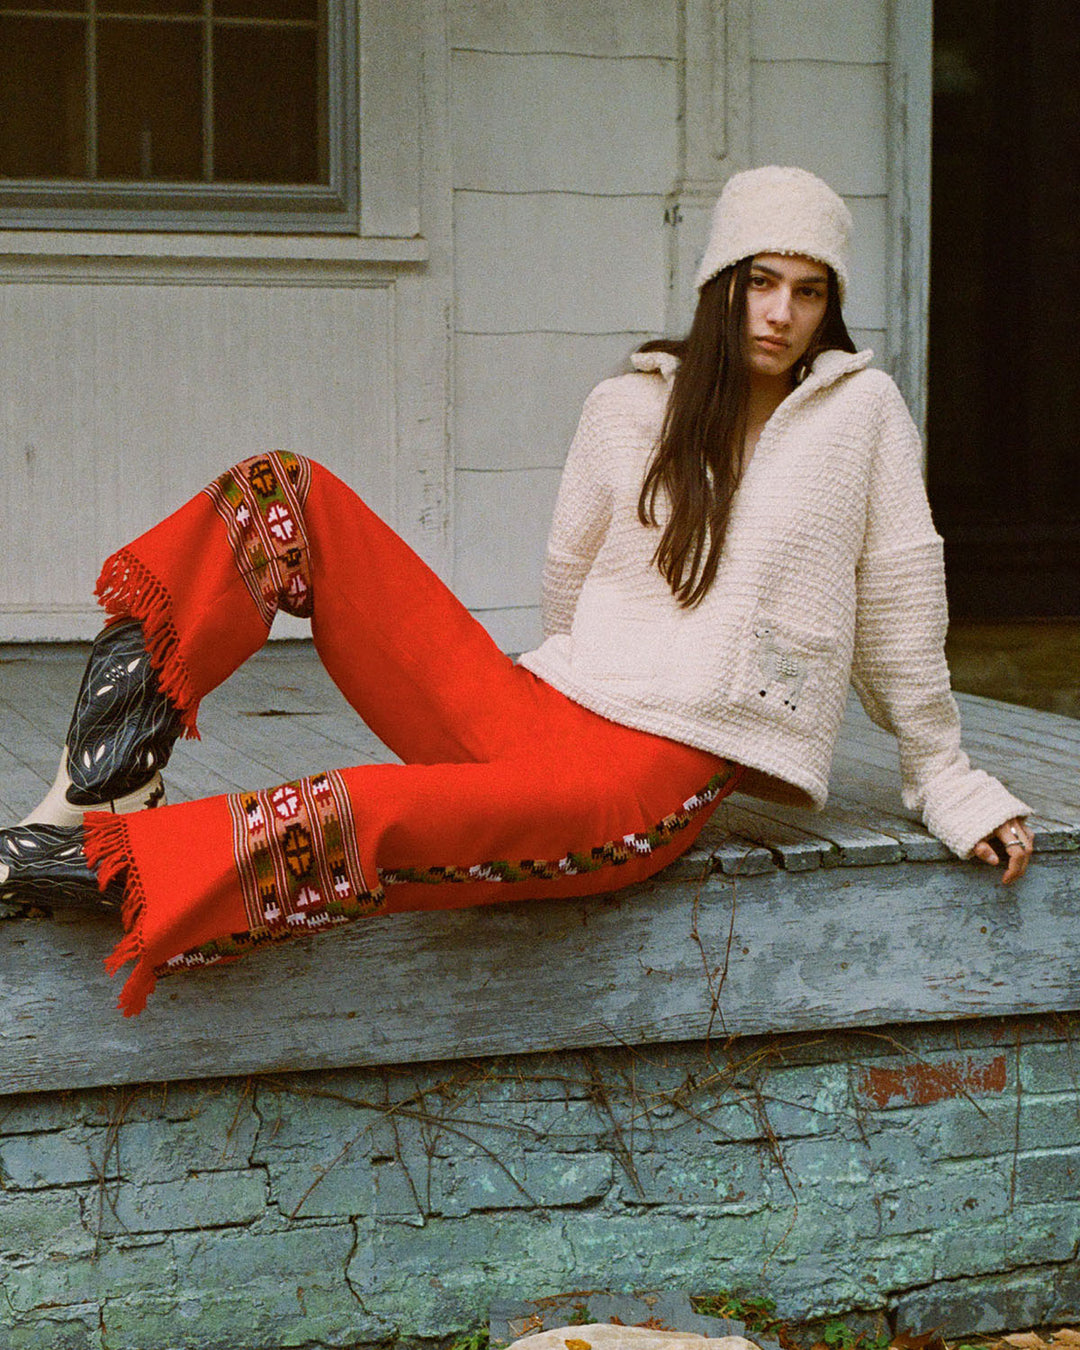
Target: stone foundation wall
x,y
931,1171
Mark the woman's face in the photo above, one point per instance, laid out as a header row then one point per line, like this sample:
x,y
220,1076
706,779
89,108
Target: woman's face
x,y
785,302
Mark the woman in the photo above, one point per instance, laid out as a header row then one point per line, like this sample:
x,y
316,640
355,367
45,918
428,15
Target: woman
x,y
740,530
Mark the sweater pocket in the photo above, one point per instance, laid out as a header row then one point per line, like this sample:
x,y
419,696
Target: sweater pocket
x,y
784,672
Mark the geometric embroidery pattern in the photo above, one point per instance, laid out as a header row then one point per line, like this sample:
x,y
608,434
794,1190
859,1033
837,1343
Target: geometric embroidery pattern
x,y
613,853
295,852
261,500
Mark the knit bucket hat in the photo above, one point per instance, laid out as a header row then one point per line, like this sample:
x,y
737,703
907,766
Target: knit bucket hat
x,y
778,210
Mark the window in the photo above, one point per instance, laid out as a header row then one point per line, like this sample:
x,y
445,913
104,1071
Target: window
x,y
171,113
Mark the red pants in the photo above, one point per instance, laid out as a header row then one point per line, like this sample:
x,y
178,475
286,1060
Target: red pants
x,y
509,790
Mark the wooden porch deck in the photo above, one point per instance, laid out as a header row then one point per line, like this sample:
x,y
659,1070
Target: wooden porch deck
x,y
779,920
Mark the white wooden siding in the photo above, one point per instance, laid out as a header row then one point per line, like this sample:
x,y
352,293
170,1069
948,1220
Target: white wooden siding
x,y
586,27
547,383
559,263
819,30
819,88
555,123
566,151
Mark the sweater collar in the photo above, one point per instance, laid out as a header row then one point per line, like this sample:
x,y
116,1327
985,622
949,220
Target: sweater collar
x,y
826,370
664,364
831,365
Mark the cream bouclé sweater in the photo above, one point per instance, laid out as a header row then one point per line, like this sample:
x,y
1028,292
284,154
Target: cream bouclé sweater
x,y
831,573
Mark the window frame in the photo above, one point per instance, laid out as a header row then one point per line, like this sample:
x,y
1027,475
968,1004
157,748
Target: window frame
x,y
333,207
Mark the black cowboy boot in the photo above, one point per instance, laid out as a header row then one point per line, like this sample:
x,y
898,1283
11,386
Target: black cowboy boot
x,y
121,734
45,864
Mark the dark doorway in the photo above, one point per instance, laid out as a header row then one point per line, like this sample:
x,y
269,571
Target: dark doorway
x,y
1004,397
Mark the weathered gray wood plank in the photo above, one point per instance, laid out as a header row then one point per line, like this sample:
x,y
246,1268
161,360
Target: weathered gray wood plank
x,y
827,948
797,850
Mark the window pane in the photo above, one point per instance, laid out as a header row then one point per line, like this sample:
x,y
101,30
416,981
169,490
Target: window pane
x,y
43,6
149,101
112,8
267,9
42,98
265,106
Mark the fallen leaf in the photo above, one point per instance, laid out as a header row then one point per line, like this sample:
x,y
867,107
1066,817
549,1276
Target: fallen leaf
x,y
573,1344
907,1340
1025,1340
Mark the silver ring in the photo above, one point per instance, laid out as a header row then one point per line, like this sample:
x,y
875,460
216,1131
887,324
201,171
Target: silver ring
x,y
1015,843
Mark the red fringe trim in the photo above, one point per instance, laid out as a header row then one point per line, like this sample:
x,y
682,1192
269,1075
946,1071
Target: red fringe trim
x,y
108,851
127,589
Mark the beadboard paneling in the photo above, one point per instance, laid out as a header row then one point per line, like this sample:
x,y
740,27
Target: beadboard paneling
x,y
564,123
120,401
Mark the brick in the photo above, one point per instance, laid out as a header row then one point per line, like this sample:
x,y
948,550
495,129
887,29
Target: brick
x,y
730,1179
211,1200
891,1154
1048,1175
894,1263
1064,1299
42,1225
926,1080
936,1201
63,1329
1045,1120
812,1163
432,1281
966,1132
1050,1067
462,1185
668,1250
1037,1233
985,1304
824,1090
61,1159
564,1125
110,1271
972,1250
242,1320
34,1113
218,1135
311,1257
317,1155
162,1101
400,1191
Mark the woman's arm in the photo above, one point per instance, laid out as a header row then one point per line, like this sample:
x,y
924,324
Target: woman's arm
x,y
899,667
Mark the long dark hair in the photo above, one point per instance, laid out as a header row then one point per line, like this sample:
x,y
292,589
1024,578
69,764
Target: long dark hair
x,y
697,461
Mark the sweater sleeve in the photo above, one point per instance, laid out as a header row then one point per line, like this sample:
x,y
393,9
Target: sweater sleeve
x,y
899,668
582,515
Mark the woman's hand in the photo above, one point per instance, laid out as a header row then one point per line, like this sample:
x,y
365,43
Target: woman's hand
x,y
1015,840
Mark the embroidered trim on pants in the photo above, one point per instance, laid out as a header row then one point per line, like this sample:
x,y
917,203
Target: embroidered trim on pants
x,y
611,854
295,852
261,500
